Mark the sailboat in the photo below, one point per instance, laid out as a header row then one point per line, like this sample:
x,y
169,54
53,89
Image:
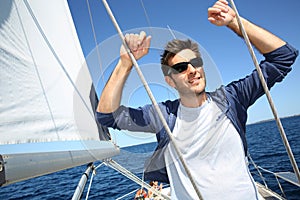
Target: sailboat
x,y
48,98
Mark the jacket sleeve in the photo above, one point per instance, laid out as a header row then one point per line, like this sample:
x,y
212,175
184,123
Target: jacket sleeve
x,y
275,67
142,119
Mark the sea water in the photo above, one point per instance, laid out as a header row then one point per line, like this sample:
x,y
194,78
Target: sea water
x,y
265,147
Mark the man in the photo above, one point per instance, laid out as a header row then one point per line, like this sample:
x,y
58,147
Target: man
x,y
209,128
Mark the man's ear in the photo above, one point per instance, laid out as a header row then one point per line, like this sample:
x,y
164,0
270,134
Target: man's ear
x,y
170,81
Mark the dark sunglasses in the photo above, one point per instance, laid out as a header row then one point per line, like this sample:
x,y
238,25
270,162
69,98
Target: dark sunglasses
x,y
182,66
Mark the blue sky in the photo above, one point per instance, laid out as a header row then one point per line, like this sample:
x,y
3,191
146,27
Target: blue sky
x,y
227,51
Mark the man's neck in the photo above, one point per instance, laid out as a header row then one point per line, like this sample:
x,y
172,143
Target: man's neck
x,y
194,101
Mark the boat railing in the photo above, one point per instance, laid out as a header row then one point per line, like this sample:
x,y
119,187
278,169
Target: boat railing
x,y
91,169
114,165
289,177
128,194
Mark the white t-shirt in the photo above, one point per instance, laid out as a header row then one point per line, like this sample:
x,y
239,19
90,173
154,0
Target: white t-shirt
x,y
214,154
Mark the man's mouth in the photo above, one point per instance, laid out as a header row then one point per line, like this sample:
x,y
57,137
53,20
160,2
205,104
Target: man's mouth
x,y
194,80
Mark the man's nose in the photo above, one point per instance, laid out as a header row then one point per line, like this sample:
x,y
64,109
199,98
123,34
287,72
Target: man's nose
x,y
191,69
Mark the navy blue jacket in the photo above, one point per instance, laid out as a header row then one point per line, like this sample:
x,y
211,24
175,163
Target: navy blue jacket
x,y
233,99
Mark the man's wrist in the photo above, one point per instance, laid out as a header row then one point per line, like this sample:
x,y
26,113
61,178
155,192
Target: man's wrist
x,y
125,64
234,26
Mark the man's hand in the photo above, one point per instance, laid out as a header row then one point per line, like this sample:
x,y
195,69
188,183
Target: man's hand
x,y
110,98
221,14
138,44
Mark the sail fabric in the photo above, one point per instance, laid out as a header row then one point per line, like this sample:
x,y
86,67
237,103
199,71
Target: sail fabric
x,y
45,83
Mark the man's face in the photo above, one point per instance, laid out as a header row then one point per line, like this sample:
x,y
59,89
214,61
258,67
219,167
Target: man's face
x,y
189,82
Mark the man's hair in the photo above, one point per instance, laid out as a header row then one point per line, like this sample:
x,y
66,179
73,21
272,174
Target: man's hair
x,y
172,48
152,183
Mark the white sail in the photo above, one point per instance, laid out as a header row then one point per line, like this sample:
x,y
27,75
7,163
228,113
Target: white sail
x,y
45,83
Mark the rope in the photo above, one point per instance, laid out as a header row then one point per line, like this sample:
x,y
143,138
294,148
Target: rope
x,y
152,32
172,33
147,16
257,169
114,165
95,39
92,177
143,180
125,195
165,125
112,134
265,87
276,177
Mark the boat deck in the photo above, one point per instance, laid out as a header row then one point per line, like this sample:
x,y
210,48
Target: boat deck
x,y
267,193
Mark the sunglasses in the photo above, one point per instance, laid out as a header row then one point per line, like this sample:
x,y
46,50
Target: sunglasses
x,y
182,66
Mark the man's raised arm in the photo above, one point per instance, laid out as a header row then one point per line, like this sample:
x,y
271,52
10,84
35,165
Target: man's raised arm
x,y
111,95
223,15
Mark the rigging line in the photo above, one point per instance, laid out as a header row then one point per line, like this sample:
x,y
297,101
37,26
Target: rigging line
x,y
146,86
36,69
152,32
171,31
125,195
174,37
257,169
57,58
93,169
147,17
95,40
119,168
82,182
89,188
263,82
143,180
